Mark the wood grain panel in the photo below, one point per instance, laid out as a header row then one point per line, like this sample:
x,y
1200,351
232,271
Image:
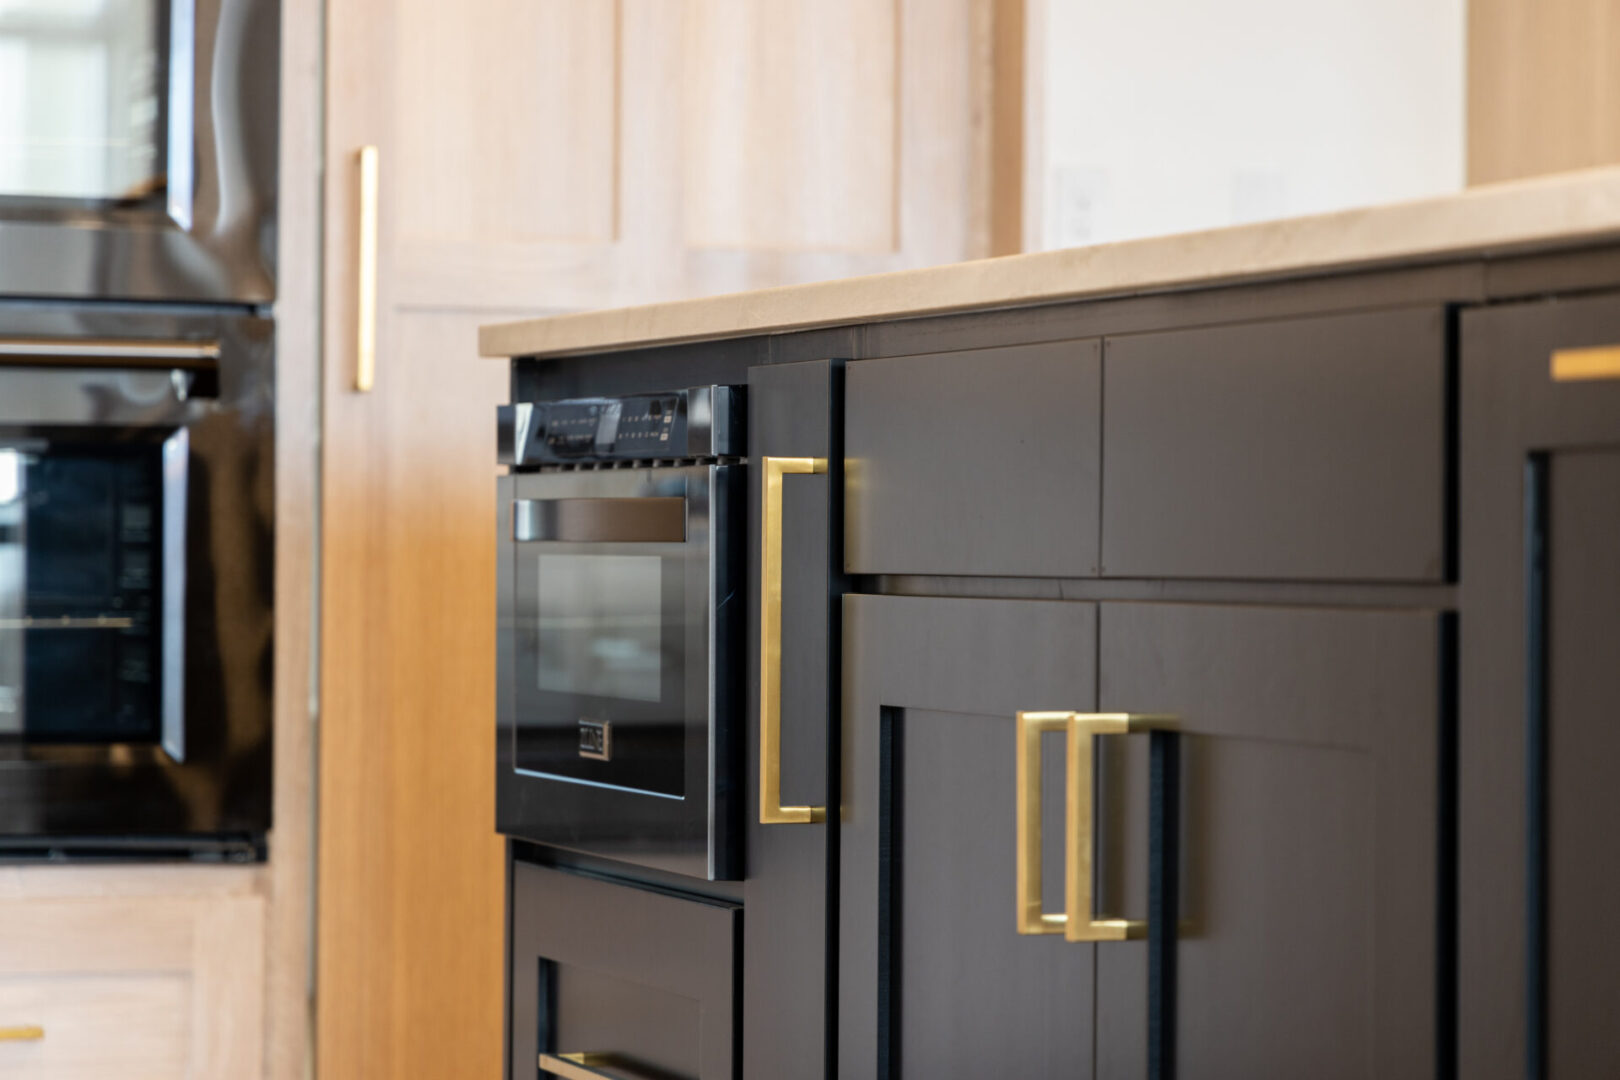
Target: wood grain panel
x,y
411,888
790,115
529,152
1543,87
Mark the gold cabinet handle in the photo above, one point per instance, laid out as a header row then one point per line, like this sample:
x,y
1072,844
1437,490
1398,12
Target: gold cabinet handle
x,y
1579,365
22,1033
365,364
1031,726
585,1066
771,810
1077,922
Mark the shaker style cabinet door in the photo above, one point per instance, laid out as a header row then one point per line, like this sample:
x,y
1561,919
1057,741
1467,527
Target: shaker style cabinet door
x,y
613,982
935,980
1540,602
1311,754
795,463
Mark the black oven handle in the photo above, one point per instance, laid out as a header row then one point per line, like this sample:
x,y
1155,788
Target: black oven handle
x,y
655,519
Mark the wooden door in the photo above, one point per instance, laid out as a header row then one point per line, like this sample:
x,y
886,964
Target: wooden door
x,y
538,156
1540,604
934,979
1311,900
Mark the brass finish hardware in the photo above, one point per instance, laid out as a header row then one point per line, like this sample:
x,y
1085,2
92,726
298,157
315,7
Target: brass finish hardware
x,y
1077,922
771,810
1031,726
1576,365
109,352
22,1033
1080,924
583,1066
365,365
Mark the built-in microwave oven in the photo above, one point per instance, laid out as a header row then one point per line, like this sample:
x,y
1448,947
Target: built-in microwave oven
x,y
138,149
620,632
136,579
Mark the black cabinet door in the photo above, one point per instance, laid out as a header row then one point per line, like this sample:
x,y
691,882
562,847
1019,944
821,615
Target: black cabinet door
x,y
642,982
1311,751
1540,604
935,981
790,875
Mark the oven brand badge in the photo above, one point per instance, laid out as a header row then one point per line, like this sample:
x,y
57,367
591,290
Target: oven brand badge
x,y
596,739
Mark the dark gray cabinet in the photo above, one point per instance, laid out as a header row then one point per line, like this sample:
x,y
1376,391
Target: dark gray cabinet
x,y
794,411
1540,603
980,462
1311,749
1299,449
636,982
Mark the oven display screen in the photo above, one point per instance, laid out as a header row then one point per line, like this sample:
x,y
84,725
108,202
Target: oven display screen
x,y
601,625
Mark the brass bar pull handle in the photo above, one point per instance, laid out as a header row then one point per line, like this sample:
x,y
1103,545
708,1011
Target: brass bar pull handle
x,y
1031,726
1579,365
586,1066
22,1033
771,810
1081,923
365,364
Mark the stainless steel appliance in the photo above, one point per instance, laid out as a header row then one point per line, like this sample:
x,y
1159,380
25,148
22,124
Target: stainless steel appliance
x,y
621,583
136,540
138,149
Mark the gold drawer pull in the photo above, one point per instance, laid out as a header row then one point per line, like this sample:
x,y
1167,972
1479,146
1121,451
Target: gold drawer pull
x,y
1077,922
585,1066
22,1033
1578,365
771,810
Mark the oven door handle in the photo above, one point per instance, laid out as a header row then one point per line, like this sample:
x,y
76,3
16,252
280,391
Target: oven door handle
x,y
653,519
771,810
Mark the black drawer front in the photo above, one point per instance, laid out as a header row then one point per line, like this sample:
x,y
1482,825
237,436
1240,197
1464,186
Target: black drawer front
x,y
1306,449
979,462
644,978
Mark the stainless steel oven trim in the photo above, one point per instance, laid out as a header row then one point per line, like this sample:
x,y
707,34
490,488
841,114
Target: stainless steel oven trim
x,y
212,235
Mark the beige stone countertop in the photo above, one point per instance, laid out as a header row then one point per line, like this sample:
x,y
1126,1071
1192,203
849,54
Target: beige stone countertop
x,y
1562,210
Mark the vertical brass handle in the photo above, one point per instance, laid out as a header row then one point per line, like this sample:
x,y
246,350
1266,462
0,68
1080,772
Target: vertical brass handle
x,y
365,364
1080,924
22,1033
1077,922
1031,726
771,810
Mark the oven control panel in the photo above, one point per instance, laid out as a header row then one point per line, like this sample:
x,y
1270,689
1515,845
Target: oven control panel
x,y
699,422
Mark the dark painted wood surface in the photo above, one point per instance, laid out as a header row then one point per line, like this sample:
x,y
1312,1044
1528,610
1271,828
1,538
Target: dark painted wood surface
x,y
790,889
604,967
1310,760
935,982
982,462
1307,448
1537,993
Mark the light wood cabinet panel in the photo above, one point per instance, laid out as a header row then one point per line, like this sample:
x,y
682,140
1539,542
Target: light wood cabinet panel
x,y
537,156
134,971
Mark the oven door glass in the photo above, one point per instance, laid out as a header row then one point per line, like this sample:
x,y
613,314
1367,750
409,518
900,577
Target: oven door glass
x,y
85,566
83,99
615,621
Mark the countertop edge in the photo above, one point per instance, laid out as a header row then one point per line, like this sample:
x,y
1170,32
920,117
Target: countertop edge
x,y
1564,210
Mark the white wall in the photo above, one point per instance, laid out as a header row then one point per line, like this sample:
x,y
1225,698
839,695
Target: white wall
x,y
1170,115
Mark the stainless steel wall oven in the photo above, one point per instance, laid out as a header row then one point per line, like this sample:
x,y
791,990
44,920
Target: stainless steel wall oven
x,y
138,149
622,613
136,575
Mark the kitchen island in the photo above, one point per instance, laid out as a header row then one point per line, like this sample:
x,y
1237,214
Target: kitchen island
x,y
1321,511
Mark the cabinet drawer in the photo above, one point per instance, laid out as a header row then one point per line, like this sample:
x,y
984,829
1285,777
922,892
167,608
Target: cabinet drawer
x,y
1305,449
978,462
95,1026
643,979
